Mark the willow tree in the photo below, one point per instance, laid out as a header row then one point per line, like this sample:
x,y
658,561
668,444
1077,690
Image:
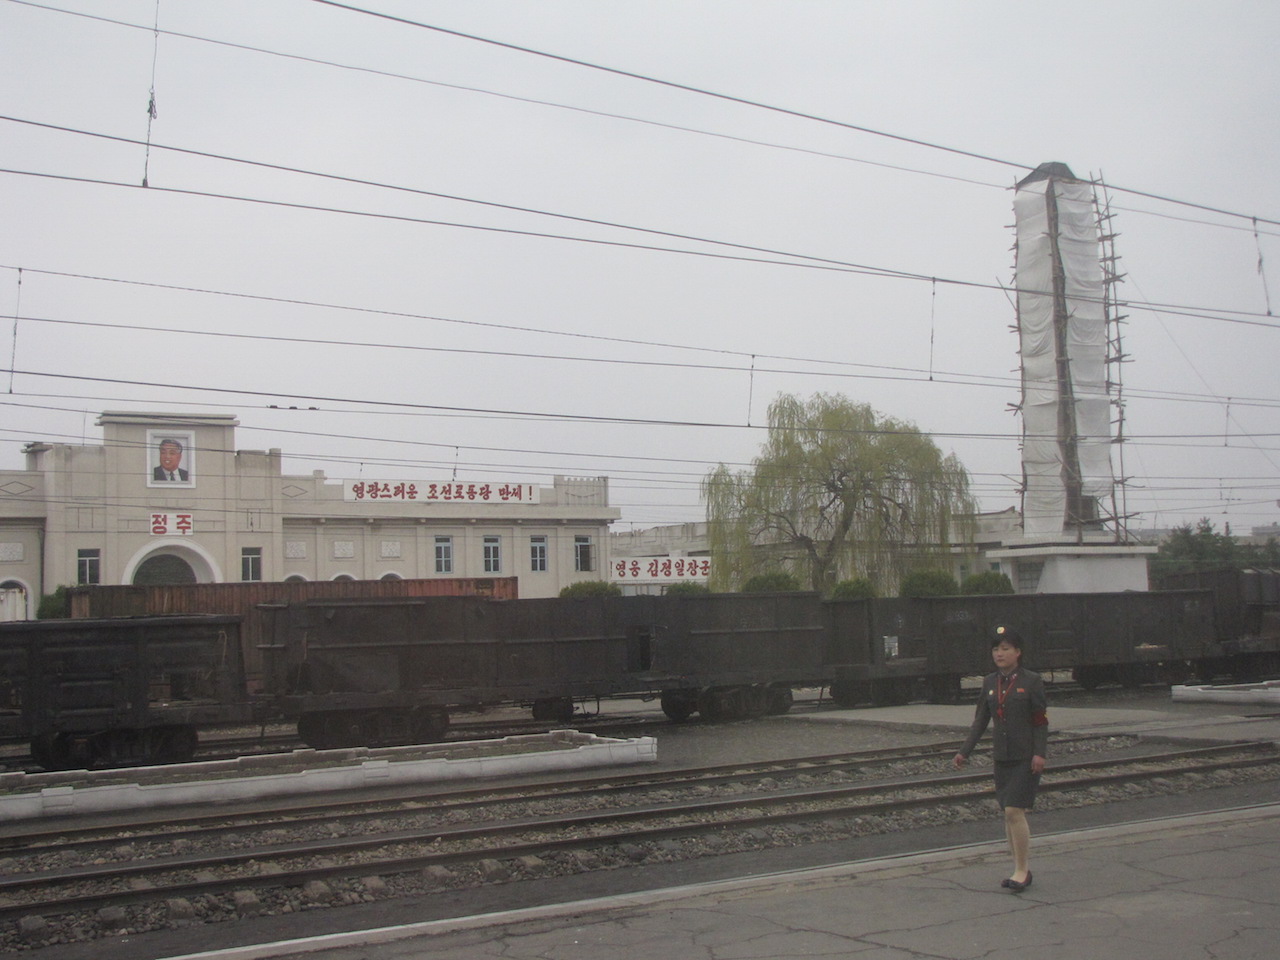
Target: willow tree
x,y
837,492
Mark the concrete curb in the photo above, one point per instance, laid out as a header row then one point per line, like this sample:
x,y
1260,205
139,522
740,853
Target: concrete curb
x,y
566,750
1268,693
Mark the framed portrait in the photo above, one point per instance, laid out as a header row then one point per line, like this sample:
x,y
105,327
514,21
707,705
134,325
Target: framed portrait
x,y
171,458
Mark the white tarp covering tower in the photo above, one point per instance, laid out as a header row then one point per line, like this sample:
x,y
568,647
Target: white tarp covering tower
x,y
1062,329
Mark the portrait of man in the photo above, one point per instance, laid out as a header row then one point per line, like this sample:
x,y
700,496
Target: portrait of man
x,y
171,459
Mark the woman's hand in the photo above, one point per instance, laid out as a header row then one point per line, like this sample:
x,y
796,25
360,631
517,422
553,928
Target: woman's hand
x,y
1037,764
959,760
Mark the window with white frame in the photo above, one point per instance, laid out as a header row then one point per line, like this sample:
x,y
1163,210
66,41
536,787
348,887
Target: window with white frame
x,y
250,563
583,554
444,554
538,554
492,554
89,566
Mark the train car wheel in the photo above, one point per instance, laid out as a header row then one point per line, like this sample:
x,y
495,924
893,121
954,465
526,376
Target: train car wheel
x,y
944,688
755,701
317,731
173,744
889,692
850,693
429,726
43,750
1087,677
780,700
679,705
718,704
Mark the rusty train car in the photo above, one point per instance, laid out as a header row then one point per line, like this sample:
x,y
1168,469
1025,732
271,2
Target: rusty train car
x,y
369,670
248,600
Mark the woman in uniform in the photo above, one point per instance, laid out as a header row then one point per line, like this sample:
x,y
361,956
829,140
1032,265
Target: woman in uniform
x,y
1013,703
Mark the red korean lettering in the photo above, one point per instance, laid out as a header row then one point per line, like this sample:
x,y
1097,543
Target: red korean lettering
x,y
159,523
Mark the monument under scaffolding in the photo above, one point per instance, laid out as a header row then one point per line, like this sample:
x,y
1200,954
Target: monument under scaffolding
x,y
1069,342
1073,534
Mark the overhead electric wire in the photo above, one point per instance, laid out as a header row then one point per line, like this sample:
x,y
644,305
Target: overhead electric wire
x,y
373,71
899,374
700,91
807,261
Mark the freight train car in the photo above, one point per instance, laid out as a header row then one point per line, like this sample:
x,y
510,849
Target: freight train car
x,y
383,672
924,646
1247,621
380,671
121,691
247,599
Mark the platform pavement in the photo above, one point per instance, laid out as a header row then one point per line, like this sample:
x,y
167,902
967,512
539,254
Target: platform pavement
x,y
1199,721
1184,888
1192,886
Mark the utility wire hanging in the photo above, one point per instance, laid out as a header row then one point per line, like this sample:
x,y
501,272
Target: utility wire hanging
x,y
1266,293
13,350
152,113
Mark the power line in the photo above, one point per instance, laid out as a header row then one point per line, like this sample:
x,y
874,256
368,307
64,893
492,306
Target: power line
x,y
899,374
769,107
1250,227
809,262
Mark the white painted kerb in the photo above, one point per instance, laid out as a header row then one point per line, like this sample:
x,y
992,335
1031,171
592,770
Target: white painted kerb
x,y
591,751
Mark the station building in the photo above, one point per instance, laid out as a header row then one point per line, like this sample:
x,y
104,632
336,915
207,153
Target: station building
x,y
167,498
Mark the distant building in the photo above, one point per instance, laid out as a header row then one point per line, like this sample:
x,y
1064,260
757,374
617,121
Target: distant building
x,y
167,498
647,561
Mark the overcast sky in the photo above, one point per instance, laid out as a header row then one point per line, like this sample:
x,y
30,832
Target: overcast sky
x,y
857,244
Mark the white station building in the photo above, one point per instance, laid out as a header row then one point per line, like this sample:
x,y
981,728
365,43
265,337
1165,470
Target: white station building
x,y
167,498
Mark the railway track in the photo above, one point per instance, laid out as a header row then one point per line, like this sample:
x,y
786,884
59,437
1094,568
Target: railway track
x,y
141,876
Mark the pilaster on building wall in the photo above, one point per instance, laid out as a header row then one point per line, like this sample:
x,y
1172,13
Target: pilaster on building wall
x,y
169,496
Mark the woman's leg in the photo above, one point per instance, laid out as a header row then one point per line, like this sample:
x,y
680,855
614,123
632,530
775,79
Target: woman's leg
x,y
1018,831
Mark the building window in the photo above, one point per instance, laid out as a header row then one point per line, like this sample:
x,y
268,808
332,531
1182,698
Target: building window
x,y
538,554
89,566
250,563
444,554
582,554
492,554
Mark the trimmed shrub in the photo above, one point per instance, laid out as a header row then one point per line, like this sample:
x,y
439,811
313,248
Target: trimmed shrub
x,y
987,582
592,588
928,583
687,588
779,582
54,606
859,588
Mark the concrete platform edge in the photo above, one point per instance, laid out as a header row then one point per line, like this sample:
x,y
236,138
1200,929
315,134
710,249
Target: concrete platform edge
x,y
592,751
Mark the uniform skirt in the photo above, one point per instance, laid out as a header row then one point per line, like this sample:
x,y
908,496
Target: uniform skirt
x,y
1016,785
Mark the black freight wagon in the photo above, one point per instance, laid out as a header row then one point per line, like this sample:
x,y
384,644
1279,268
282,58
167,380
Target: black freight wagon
x,y
381,672
923,646
119,691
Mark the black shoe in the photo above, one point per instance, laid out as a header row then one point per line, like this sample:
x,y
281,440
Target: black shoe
x,y
1005,882
1017,887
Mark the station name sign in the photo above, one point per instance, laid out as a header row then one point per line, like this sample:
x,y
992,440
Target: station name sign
x,y
407,491
659,569
172,524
